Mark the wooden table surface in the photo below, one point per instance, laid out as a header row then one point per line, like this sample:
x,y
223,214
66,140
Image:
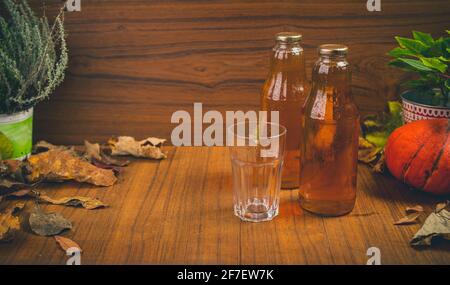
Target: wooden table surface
x,y
179,211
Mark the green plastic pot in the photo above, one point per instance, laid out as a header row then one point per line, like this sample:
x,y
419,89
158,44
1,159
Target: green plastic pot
x,y
16,135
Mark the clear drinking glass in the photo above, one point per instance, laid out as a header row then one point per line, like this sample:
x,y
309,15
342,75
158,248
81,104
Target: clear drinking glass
x,y
257,154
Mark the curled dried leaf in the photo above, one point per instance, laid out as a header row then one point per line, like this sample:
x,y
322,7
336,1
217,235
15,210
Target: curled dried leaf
x,y
14,170
414,209
409,219
41,146
75,201
371,154
7,186
364,144
92,151
96,156
379,166
9,222
63,164
66,243
148,148
48,224
441,206
117,169
437,225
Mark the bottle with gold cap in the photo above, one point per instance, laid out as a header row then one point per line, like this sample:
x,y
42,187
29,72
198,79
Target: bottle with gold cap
x,y
330,143
285,90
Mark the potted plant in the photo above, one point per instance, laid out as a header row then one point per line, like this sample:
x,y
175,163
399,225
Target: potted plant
x,y
427,96
33,59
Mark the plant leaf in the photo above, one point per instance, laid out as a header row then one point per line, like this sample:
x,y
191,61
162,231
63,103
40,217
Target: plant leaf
x,y
437,225
62,164
378,138
369,155
147,148
414,209
75,201
66,243
441,206
424,38
48,224
379,165
8,186
434,63
409,219
415,64
10,223
94,154
412,45
398,52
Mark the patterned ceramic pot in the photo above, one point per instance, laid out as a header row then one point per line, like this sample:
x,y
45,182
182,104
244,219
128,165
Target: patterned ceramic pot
x,y
413,111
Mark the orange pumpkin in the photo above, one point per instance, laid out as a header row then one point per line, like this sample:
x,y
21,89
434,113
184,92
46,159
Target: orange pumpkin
x,y
418,153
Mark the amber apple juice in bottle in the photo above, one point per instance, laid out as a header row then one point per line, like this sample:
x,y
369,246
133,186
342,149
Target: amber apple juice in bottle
x,y
330,140
285,90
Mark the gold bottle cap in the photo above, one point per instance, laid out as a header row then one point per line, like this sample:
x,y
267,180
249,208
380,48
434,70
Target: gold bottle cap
x,y
333,49
288,37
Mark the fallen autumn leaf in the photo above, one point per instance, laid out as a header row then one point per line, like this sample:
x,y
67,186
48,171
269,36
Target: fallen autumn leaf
x,y
75,201
66,243
48,224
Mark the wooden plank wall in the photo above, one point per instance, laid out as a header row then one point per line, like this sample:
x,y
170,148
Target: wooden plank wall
x,y
133,63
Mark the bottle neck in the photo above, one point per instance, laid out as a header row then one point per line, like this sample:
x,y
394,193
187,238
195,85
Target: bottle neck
x,y
332,74
287,57
330,59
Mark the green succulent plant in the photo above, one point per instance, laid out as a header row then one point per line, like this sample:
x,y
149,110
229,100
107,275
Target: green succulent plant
x,y
429,58
33,56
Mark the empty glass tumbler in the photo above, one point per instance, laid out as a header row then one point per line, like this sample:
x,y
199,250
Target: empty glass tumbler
x,y
257,154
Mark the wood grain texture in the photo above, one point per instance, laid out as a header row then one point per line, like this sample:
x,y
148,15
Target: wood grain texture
x,y
133,63
179,211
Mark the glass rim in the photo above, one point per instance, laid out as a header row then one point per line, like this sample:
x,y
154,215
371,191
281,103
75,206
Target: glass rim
x,y
280,134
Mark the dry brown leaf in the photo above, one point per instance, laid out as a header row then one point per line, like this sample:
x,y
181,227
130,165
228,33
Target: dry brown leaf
x,y
441,206
370,154
437,225
44,146
14,170
48,224
409,219
75,201
66,243
62,164
92,150
148,148
9,222
379,166
8,186
414,209
94,154
364,144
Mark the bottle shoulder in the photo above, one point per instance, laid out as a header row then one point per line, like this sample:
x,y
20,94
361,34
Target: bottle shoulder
x,y
326,106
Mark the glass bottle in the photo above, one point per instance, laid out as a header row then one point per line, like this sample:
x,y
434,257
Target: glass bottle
x,y
330,143
285,90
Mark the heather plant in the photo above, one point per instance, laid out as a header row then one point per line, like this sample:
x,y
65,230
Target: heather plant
x,y
33,56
